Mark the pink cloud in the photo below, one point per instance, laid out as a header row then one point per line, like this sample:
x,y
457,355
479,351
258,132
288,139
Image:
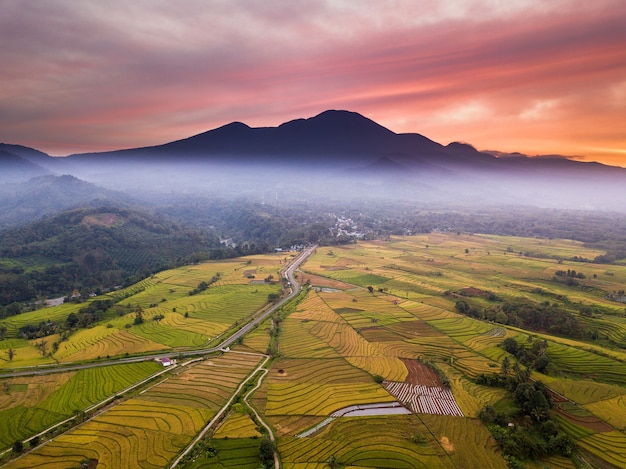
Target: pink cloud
x,y
99,76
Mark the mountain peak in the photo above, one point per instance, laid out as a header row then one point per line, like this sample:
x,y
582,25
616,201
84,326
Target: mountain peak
x,y
334,120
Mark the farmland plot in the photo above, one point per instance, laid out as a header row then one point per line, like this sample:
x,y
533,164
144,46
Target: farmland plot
x,y
414,274
150,429
387,445
36,403
425,399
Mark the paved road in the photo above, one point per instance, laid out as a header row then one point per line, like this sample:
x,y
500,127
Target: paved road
x,y
293,286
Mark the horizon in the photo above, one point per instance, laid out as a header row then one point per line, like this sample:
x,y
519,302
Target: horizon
x,y
535,79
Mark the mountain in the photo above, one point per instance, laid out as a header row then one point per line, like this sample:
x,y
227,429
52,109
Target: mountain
x,y
27,201
340,138
34,156
91,247
341,154
17,169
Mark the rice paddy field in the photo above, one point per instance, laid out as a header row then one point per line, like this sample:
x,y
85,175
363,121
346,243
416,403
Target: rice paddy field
x,y
376,309
377,329
29,405
185,320
149,430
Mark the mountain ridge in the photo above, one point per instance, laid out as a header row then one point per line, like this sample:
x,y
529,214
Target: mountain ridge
x,y
342,154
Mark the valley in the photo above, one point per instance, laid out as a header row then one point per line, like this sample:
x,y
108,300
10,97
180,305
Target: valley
x,y
411,319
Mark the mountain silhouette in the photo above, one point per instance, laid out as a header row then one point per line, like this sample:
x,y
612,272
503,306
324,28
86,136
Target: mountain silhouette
x,y
344,154
337,137
16,169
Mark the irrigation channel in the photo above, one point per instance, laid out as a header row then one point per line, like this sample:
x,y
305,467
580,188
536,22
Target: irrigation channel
x,y
386,408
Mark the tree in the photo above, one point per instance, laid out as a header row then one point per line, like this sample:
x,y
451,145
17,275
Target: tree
x,y
333,462
43,347
266,451
72,320
541,363
370,289
138,317
18,446
11,353
13,309
462,306
510,345
273,297
506,366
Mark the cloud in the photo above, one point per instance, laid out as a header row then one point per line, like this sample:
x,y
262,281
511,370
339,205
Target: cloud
x,y
539,110
119,74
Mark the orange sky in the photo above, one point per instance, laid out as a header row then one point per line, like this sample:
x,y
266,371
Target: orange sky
x,y
528,76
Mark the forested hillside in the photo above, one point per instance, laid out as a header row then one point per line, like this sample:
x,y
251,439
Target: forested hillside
x,y
92,248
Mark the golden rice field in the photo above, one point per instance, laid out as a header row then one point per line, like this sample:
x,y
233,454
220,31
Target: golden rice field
x,y
100,342
33,404
381,442
411,317
320,399
232,298
297,340
151,429
609,447
237,425
333,350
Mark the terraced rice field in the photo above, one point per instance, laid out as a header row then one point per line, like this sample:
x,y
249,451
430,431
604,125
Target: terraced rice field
x,y
237,425
413,317
100,342
35,404
587,364
239,453
320,400
610,447
231,299
334,350
150,429
386,445
466,441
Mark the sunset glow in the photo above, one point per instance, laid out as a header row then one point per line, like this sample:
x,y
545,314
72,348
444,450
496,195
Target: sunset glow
x,y
526,76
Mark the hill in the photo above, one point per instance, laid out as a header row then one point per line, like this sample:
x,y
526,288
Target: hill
x,y
27,201
90,249
16,168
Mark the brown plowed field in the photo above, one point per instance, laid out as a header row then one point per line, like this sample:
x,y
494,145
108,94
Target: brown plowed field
x,y
420,374
590,422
